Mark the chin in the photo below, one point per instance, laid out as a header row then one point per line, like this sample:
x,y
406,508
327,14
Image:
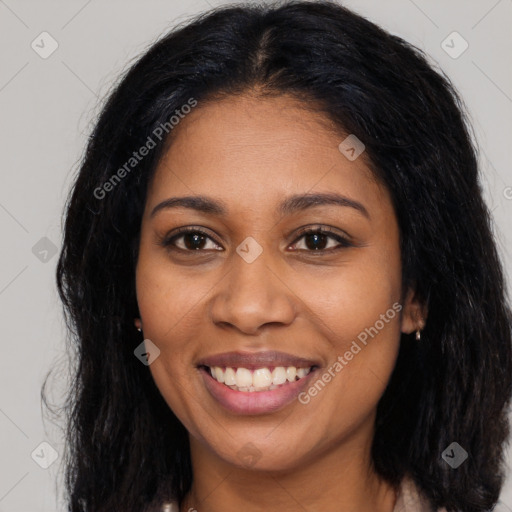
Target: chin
x,y
263,454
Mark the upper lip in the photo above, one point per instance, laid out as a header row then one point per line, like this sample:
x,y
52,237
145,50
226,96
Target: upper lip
x,y
255,360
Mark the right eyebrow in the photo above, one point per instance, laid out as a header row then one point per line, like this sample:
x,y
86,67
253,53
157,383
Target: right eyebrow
x,y
200,203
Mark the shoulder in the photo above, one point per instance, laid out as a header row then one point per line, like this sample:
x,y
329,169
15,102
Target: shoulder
x,y
171,506
168,506
411,499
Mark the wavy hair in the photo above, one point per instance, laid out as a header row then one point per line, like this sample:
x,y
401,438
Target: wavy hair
x,y
126,450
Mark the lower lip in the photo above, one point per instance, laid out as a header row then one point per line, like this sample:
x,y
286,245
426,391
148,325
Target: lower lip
x,y
255,402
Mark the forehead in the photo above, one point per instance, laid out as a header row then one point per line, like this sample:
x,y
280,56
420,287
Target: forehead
x,y
255,149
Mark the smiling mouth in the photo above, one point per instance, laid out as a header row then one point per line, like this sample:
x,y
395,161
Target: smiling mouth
x,y
260,379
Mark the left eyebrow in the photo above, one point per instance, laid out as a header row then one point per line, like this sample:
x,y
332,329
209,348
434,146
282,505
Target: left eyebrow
x,y
292,204
303,201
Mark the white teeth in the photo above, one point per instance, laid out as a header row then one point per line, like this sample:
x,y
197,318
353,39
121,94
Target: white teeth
x,y
278,375
243,377
229,377
291,372
302,372
219,374
261,379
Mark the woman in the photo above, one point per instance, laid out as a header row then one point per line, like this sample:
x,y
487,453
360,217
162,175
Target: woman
x,y
281,278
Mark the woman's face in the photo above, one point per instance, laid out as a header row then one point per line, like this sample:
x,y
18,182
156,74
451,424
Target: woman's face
x,y
256,281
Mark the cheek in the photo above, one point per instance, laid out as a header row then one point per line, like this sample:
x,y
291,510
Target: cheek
x,y
169,309
361,322
169,301
363,347
352,297
358,311
166,306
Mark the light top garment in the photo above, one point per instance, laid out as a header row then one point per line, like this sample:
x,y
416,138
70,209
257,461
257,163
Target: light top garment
x,y
409,499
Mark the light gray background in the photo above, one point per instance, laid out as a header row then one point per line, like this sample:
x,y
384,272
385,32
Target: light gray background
x,y
47,110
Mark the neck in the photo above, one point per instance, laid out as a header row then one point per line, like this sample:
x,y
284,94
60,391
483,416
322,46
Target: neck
x,y
341,479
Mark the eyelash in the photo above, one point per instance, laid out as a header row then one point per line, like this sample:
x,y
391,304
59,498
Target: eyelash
x,y
168,241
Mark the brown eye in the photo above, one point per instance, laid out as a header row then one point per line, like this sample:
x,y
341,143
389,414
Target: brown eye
x,y
190,239
316,241
321,240
194,241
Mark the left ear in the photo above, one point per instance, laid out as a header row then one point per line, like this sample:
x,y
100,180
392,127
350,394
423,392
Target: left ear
x,y
414,316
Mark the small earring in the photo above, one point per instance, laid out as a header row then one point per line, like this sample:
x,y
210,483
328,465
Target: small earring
x,y
418,335
138,324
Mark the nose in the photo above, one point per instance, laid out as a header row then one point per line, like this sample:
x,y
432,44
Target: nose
x,y
252,295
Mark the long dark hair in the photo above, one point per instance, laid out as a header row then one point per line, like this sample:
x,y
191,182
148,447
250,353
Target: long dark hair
x,y
126,448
